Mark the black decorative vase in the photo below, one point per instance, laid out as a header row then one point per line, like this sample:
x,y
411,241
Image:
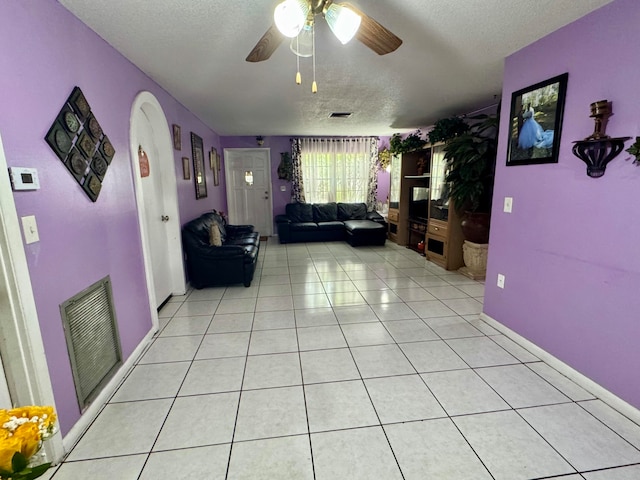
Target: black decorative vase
x,y
475,227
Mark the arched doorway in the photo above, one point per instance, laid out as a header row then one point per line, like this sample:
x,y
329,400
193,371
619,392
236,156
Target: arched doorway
x,y
157,201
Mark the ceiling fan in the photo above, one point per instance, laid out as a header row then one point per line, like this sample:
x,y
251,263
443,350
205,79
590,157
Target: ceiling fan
x,y
300,13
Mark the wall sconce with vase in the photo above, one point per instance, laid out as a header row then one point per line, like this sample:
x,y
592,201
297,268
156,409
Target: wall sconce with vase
x,y
598,149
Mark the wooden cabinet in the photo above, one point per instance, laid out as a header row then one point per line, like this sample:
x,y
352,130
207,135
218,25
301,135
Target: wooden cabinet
x,y
443,245
432,220
407,170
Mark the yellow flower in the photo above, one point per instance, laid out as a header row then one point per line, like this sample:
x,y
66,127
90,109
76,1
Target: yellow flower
x,y
8,447
4,417
30,436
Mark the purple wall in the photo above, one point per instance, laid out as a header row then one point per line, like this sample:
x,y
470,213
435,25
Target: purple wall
x,y
46,51
569,250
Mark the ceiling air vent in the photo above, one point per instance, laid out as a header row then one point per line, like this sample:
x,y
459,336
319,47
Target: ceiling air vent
x,y
340,115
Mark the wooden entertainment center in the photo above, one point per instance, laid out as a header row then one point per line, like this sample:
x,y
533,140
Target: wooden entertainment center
x,y
419,207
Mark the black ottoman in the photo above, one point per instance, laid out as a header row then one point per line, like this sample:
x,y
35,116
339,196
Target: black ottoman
x,y
364,232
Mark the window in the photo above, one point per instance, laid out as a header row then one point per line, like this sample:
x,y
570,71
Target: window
x,y
337,170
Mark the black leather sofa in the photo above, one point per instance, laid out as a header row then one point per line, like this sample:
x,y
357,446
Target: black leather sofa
x,y
233,262
323,222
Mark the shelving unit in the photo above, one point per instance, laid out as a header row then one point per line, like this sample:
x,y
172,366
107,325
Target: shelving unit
x,y
440,230
443,245
404,175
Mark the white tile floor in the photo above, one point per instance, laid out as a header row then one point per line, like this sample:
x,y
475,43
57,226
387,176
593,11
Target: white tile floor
x,y
347,363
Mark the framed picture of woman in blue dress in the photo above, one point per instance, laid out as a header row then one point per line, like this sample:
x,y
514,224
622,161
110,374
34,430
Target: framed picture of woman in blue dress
x,y
536,122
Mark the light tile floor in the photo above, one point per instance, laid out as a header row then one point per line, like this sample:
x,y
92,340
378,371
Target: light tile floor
x,y
347,363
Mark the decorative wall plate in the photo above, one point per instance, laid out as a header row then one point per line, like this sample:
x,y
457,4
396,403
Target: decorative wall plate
x,y
69,120
86,144
93,127
92,186
79,103
107,149
77,164
59,141
99,165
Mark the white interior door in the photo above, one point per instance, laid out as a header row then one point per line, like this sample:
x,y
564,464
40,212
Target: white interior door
x,y
156,218
248,180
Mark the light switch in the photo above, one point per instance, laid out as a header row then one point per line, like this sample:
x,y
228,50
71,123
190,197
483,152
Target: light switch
x,y
283,188
30,229
500,280
508,204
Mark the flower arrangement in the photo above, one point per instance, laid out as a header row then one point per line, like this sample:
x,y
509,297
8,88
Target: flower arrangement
x,y
21,436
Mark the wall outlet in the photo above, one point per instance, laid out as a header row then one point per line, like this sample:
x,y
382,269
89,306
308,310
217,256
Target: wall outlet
x,y
508,204
500,280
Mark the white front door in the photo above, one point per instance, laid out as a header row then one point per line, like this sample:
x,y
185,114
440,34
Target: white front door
x,y
248,180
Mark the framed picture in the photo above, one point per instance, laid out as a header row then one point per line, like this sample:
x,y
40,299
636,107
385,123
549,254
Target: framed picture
x,y
177,137
199,176
213,157
186,171
536,122
213,160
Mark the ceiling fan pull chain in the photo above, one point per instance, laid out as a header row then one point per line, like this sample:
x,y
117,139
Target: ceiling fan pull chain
x,y
314,85
298,76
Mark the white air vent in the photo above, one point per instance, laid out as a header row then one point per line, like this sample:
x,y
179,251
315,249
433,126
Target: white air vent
x,y
92,339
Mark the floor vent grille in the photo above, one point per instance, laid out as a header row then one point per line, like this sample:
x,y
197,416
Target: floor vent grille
x,y
93,342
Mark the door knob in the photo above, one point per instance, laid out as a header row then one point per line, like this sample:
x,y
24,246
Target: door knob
x,y
165,218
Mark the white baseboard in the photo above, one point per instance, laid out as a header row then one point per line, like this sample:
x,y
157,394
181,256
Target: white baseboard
x,y
589,385
73,436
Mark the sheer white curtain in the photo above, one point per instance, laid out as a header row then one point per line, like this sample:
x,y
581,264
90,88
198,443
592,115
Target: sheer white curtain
x,y
337,169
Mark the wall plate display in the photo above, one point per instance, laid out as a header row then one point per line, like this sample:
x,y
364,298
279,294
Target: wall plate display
x,y
78,140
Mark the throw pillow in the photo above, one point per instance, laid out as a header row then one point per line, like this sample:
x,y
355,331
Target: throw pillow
x,y
352,211
325,212
215,240
299,212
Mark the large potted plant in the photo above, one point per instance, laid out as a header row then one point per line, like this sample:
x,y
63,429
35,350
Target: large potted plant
x,y
471,157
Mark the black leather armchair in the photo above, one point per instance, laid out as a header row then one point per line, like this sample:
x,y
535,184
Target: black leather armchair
x,y
233,262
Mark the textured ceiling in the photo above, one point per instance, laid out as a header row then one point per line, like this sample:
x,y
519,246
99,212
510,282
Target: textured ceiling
x,y
450,63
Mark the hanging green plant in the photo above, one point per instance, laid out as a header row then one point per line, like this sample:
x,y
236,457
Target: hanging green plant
x,y
411,142
447,128
285,169
384,158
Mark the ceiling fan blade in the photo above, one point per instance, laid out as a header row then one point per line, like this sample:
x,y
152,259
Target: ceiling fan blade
x,y
265,47
375,36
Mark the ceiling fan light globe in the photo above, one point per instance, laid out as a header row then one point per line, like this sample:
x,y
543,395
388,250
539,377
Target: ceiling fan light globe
x,y
343,21
302,45
290,16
